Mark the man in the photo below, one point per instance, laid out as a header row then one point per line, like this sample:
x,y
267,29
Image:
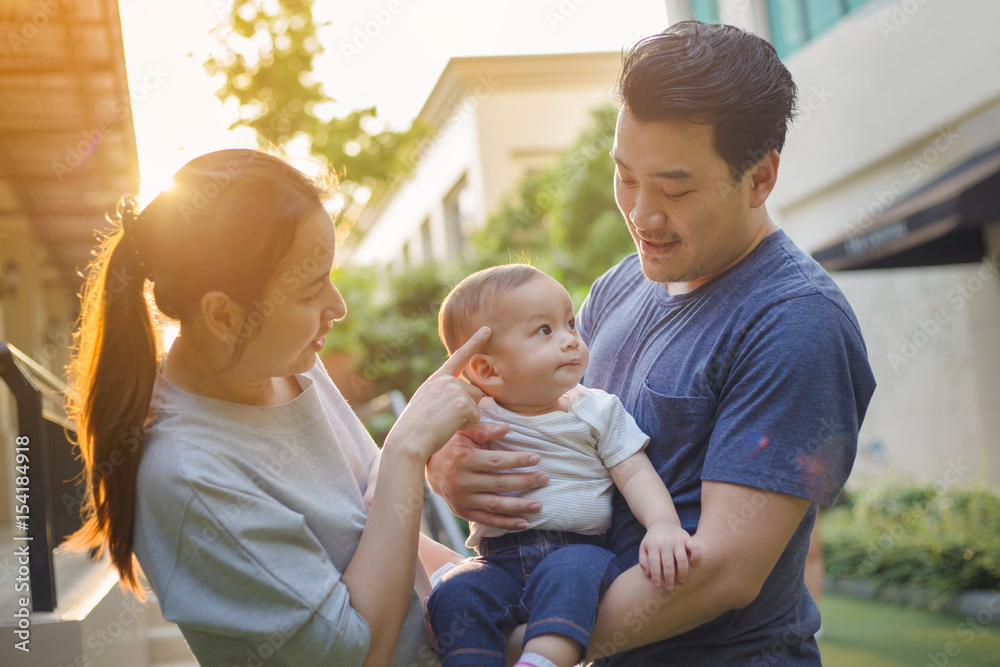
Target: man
x,y
732,349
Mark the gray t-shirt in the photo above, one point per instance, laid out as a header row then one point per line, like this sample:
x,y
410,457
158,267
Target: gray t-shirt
x,y
245,518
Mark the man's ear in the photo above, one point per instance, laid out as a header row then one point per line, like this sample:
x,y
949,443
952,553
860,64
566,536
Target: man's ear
x,y
223,316
483,372
763,178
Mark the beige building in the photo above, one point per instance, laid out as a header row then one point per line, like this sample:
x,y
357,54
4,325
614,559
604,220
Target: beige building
x,y
891,178
494,120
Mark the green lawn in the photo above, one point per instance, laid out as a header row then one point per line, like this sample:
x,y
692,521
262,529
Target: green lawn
x,y
864,633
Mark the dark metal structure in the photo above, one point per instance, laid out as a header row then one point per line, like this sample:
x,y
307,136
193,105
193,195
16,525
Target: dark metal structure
x,y
54,490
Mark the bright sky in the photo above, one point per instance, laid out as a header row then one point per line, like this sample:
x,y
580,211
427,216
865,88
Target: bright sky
x,y
387,53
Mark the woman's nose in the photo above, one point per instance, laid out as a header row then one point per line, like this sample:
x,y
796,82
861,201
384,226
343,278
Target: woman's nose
x,y
338,308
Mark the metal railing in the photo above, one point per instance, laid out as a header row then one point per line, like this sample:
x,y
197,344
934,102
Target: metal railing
x,y
53,470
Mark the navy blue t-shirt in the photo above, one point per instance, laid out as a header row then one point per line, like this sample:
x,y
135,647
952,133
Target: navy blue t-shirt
x,y
759,378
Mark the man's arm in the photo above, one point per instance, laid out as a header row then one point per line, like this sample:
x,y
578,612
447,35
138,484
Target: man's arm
x,y
470,477
742,533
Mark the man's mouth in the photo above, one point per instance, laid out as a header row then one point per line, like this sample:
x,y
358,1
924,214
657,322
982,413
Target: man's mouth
x,y
656,247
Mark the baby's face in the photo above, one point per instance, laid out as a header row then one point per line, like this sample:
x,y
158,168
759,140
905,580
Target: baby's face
x,y
537,351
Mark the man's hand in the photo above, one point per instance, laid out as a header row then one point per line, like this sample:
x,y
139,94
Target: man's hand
x,y
469,476
666,553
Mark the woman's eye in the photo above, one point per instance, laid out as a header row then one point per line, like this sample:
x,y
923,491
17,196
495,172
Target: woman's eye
x,y
545,329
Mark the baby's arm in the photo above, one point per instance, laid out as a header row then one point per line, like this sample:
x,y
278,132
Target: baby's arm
x,y
667,549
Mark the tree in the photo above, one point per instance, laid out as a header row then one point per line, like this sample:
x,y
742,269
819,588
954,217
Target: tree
x,y
267,52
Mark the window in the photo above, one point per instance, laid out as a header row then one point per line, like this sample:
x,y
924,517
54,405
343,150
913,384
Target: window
x,y
453,219
795,22
426,243
406,259
706,10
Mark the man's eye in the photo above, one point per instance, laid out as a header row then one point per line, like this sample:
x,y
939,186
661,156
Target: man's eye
x,y
677,196
545,329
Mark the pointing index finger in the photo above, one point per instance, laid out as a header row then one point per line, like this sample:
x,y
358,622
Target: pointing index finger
x,y
463,355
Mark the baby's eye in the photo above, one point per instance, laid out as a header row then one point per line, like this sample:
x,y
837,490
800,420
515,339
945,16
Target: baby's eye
x,y
572,324
545,329
313,297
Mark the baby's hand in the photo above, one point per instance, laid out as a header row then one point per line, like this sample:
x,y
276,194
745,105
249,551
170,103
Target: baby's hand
x,y
666,553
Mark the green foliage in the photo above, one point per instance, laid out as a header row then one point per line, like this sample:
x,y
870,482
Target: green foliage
x,y
391,325
268,49
563,219
944,541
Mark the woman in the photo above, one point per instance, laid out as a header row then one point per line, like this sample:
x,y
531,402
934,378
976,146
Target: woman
x,y
230,467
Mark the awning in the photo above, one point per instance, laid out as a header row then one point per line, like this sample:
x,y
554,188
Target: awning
x,y
67,145
963,199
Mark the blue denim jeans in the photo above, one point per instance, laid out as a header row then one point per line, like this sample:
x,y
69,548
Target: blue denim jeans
x,y
550,580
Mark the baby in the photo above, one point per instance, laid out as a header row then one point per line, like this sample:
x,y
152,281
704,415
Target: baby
x,y
552,575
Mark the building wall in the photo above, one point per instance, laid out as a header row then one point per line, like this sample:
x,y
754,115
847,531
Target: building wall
x,y
933,415
454,151
495,136
528,129
892,97
888,102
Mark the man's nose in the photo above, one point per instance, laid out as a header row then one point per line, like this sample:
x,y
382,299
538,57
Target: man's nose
x,y
645,214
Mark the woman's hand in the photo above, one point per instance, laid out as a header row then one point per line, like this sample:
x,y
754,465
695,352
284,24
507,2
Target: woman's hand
x,y
442,405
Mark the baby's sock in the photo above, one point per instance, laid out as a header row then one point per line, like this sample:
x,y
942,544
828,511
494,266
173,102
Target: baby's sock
x,y
534,660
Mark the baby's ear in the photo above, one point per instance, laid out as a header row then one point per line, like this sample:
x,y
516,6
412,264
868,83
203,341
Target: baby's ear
x,y
482,372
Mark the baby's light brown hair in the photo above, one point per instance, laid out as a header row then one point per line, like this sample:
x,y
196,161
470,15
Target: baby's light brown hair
x,y
473,302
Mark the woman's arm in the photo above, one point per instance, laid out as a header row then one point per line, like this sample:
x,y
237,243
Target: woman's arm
x,y
380,589
435,555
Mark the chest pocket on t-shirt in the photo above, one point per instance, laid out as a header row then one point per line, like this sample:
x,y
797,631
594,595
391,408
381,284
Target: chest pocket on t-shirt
x,y
678,427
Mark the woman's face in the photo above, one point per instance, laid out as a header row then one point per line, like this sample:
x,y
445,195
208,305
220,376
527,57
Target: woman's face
x,y
298,306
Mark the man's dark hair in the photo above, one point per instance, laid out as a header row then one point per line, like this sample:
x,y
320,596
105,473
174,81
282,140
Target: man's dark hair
x,y
716,75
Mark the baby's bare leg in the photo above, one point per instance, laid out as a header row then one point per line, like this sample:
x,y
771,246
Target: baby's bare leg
x,y
559,649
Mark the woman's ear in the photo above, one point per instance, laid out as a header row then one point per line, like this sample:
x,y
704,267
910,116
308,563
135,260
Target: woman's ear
x,y
223,317
483,373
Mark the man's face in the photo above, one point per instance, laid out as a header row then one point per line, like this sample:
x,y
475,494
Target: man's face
x,y
688,219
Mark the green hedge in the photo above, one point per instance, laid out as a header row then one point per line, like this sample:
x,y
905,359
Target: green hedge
x,y
942,540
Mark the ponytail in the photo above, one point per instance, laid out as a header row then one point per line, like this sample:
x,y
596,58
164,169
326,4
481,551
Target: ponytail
x,y
112,373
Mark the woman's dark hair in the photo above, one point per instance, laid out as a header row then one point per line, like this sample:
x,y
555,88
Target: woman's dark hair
x,y
224,225
716,75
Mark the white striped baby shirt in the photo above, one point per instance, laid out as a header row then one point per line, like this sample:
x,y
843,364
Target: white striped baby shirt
x,y
576,448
